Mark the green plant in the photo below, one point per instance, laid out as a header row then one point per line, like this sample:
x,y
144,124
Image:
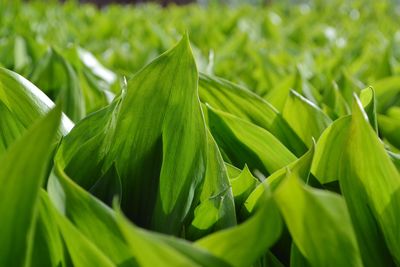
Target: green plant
x,y
175,166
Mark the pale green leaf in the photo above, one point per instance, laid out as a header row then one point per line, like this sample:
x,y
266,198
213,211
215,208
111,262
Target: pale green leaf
x,y
242,245
316,217
305,118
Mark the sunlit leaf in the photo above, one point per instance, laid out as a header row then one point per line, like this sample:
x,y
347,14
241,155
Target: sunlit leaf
x,y
372,202
301,167
86,217
155,125
244,104
246,143
216,209
307,120
22,103
244,244
315,217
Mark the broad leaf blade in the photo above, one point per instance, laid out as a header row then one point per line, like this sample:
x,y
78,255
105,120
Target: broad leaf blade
x,y
306,119
58,79
216,208
231,98
329,151
246,143
242,186
22,103
366,159
48,247
350,151
300,167
316,217
82,251
23,168
244,244
160,250
90,217
156,138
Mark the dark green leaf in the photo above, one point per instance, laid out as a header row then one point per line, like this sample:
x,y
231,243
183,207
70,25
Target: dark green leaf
x,y
23,168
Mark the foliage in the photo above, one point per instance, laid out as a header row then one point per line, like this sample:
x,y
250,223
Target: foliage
x,y
269,138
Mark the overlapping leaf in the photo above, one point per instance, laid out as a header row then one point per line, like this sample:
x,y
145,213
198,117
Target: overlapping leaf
x,y
216,208
244,104
300,167
307,120
87,217
357,160
57,78
373,202
23,168
22,103
245,143
157,124
244,244
316,217
84,217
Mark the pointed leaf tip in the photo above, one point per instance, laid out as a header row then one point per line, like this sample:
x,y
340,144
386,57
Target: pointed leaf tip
x,y
358,110
185,36
184,44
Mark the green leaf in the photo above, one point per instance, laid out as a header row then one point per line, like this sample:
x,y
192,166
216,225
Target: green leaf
x,y
48,247
373,203
244,244
334,103
387,92
395,159
279,93
350,151
90,62
233,99
23,168
368,100
269,260
82,152
156,137
305,118
82,251
198,255
160,141
21,56
216,208
389,126
246,143
349,84
242,186
160,250
58,79
296,258
301,167
233,172
329,151
316,217
90,217
22,103
95,80
10,127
